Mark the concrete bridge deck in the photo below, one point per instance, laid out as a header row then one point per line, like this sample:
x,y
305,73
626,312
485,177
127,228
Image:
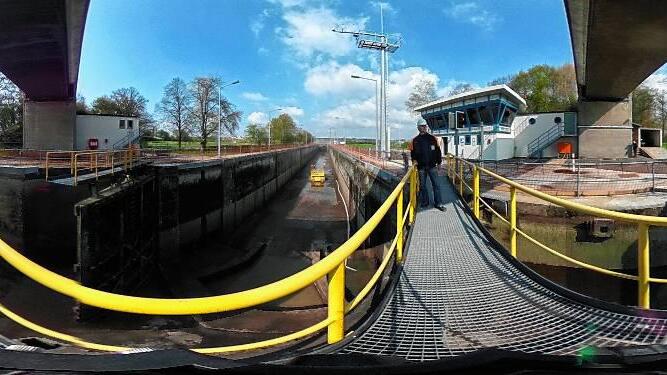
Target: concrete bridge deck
x,y
458,293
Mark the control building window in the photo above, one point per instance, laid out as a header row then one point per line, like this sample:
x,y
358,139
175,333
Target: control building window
x,y
472,116
485,114
130,124
121,124
532,120
467,139
558,120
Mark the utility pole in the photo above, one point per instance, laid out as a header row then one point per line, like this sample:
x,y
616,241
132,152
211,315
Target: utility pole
x,y
383,43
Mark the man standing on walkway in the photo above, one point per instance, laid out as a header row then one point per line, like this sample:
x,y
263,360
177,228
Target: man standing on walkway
x,y
425,154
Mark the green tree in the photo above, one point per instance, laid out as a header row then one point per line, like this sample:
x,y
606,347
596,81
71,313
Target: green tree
x,y
126,101
256,134
283,129
11,112
644,100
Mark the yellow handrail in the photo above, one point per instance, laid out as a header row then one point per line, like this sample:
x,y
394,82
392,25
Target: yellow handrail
x,y
333,264
643,223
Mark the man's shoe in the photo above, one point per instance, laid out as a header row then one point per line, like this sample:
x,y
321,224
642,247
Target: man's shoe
x,y
441,207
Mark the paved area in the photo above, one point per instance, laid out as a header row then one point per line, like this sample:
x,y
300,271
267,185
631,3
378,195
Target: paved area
x,y
457,294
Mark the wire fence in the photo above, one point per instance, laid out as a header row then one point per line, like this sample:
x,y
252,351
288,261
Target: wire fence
x,y
396,162
580,178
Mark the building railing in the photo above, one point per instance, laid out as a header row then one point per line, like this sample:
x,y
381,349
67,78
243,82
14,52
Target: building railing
x,y
90,161
333,266
455,172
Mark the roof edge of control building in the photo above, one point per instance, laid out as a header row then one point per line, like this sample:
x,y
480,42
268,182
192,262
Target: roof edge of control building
x,y
497,89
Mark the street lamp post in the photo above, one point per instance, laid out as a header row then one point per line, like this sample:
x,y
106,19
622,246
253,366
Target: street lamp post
x,y
220,111
377,112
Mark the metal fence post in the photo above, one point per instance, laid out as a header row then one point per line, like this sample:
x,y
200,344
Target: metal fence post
x,y
336,307
653,176
578,177
413,194
399,227
460,177
643,267
475,191
513,221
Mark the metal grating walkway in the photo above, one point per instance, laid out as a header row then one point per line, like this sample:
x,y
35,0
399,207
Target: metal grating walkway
x,y
457,294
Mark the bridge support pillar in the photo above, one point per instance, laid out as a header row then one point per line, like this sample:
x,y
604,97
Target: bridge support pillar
x,y
49,125
605,129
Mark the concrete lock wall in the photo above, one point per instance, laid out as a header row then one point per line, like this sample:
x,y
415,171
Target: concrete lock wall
x,y
233,190
165,214
365,188
36,216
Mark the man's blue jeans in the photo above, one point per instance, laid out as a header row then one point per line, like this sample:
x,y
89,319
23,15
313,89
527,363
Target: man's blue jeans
x,y
432,174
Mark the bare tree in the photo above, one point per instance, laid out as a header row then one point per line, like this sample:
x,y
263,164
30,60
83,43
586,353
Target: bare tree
x,y
204,94
175,107
422,93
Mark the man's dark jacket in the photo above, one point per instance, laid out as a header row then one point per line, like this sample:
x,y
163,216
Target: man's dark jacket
x,y
425,151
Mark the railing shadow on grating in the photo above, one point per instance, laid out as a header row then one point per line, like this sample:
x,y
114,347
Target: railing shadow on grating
x,y
332,266
458,175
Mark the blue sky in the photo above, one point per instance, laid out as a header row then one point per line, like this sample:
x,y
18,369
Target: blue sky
x,y
286,56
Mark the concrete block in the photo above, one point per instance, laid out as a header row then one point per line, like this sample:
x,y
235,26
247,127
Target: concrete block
x,y
49,125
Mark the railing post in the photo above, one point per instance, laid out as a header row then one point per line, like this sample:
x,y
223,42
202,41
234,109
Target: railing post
x,y
653,176
460,177
643,266
46,167
475,191
513,221
413,194
76,168
399,227
449,169
336,308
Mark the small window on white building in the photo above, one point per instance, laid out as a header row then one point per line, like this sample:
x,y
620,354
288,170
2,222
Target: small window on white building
x,y
130,124
531,120
121,124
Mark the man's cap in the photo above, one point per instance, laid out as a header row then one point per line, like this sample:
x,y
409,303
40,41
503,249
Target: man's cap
x,y
421,122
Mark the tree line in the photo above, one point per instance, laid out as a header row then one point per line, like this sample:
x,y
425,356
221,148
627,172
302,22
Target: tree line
x,y
554,88
281,130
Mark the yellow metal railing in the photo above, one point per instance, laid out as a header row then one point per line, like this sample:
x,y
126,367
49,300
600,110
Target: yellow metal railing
x,y
643,223
332,266
90,161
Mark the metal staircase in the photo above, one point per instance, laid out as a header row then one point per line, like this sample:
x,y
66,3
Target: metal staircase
x,y
128,140
536,146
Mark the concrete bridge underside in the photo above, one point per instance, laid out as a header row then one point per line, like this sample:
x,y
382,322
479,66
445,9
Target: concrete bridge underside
x,y
617,44
40,49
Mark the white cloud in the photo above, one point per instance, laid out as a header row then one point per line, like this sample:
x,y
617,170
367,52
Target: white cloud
x,y
254,96
258,118
293,111
472,13
358,116
262,51
658,80
308,32
332,78
289,3
257,25
386,7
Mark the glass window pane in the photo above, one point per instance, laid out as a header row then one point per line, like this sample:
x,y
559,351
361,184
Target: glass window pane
x,y
121,124
472,116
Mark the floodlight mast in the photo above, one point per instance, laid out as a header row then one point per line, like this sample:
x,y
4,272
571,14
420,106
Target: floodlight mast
x,y
382,43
